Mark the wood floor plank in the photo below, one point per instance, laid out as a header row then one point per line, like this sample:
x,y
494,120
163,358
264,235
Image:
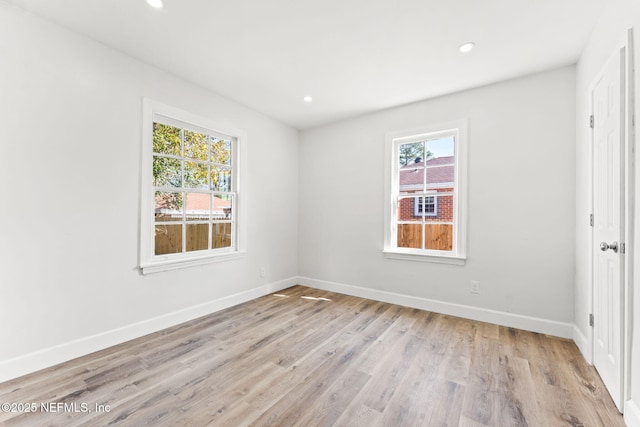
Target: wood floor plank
x,y
390,372
411,403
329,406
447,412
350,343
382,347
479,403
307,357
466,422
362,416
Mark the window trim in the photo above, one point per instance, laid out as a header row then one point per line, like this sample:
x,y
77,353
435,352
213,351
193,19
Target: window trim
x,y
148,261
392,140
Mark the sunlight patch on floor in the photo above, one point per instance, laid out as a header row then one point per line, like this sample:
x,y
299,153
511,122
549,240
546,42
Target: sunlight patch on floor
x,y
316,299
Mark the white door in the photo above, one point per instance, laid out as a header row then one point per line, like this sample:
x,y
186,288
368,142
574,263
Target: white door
x,y
608,206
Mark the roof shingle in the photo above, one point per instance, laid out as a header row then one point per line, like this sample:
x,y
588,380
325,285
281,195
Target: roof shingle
x,y
439,171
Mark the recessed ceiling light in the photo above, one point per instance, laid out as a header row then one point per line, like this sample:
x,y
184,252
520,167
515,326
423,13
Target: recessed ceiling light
x,y
155,3
467,47
307,99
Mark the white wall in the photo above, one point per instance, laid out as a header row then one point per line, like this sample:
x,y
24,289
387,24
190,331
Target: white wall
x,y
70,139
521,198
609,34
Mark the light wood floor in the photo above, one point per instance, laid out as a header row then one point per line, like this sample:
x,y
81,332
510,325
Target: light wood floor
x,y
293,361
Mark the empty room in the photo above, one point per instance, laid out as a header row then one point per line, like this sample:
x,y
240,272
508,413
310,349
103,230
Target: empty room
x,y
319,213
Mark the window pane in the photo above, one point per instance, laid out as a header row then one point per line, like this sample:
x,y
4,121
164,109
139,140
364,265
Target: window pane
x,y
411,179
407,209
168,206
196,175
411,167
220,178
411,153
439,237
443,147
443,209
440,163
168,239
410,236
221,235
166,139
196,145
167,172
197,237
222,207
220,151
198,207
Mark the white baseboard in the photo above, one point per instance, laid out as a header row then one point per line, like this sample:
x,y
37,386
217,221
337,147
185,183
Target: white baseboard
x,y
583,344
534,324
631,414
22,365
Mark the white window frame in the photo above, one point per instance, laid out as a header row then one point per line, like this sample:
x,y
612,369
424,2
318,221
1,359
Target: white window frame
x,y
151,263
458,255
416,206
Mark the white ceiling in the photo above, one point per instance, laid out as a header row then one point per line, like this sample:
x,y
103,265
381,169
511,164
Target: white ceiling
x,y
352,56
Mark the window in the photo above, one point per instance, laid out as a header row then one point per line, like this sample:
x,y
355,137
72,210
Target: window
x,y
426,195
426,206
191,171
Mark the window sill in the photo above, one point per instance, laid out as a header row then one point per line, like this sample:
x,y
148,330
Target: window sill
x,y
175,264
437,259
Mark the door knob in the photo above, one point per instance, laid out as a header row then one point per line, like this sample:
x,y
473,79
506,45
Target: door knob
x,y
604,246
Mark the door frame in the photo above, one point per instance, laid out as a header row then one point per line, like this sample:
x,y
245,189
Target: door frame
x,y
629,202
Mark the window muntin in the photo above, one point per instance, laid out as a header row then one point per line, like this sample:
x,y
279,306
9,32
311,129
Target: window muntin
x,y
426,188
190,190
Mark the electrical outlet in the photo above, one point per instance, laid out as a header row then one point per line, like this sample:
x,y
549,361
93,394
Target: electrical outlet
x,y
475,287
263,272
